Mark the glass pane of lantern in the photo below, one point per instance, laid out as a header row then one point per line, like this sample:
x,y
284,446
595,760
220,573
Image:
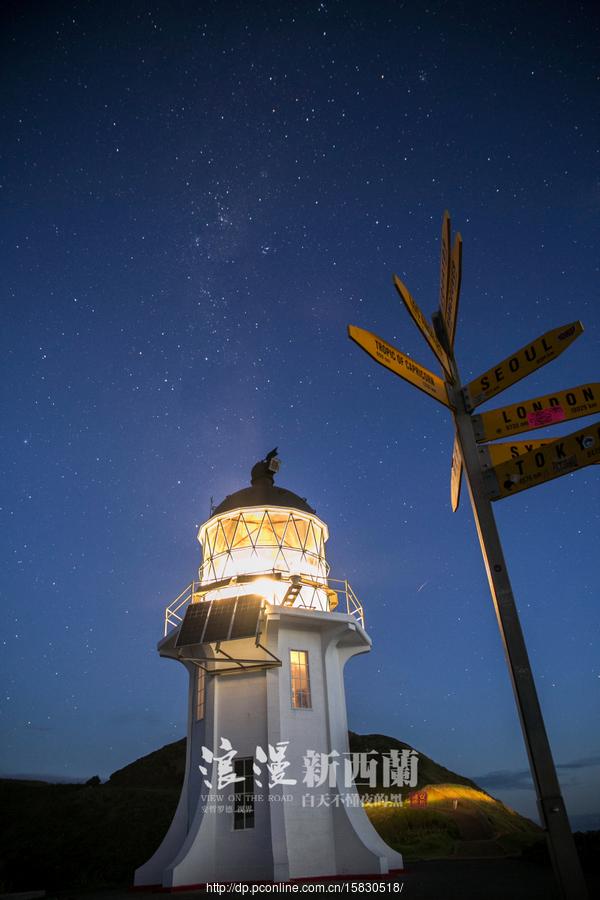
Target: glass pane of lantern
x,y
311,543
291,538
266,535
302,528
278,522
252,521
281,561
228,526
220,544
240,537
209,538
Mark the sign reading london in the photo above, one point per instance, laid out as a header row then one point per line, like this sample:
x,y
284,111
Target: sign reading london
x,y
402,365
559,457
528,415
522,363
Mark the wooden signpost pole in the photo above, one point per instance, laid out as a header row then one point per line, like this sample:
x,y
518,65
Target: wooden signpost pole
x,y
550,802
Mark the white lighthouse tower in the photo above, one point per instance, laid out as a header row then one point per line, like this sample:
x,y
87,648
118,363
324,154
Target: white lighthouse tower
x,y
265,634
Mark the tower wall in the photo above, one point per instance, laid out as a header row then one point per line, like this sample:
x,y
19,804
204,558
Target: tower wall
x,y
290,838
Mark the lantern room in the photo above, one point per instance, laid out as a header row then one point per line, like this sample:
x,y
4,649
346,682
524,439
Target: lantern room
x,y
271,537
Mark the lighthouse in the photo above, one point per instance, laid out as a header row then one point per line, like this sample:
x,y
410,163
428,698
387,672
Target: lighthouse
x,y
265,633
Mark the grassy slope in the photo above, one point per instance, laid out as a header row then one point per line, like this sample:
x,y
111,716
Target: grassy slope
x,y
74,835
71,835
458,821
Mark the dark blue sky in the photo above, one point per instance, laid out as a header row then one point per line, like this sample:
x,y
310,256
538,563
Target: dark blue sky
x,y
198,198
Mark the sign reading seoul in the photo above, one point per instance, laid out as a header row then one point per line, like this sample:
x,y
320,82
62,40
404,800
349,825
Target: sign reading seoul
x,y
522,363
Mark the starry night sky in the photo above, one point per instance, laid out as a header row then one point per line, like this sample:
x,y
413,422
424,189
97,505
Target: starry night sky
x,y
198,198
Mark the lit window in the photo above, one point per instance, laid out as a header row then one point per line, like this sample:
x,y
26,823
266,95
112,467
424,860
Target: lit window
x,y
243,809
200,691
300,679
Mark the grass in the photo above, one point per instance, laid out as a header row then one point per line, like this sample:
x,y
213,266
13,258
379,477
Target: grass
x,y
75,835
458,821
416,833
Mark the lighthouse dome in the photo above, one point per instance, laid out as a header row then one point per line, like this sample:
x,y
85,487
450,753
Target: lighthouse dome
x,y
263,491
269,531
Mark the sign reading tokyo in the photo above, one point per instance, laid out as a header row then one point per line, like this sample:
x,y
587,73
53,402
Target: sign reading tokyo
x,y
396,361
573,403
491,455
522,363
556,458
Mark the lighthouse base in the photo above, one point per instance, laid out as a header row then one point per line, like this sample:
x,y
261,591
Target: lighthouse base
x,y
279,823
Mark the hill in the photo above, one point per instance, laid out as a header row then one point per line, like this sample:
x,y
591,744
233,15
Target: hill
x,y
428,771
75,835
457,822
162,768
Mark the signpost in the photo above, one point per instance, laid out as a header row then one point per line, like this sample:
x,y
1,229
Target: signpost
x,y
495,471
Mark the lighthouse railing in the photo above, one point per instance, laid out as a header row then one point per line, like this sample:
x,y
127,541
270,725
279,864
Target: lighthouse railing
x,y
175,611
339,591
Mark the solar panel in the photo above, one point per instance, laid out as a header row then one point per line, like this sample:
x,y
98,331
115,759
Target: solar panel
x,y
193,624
219,622
247,612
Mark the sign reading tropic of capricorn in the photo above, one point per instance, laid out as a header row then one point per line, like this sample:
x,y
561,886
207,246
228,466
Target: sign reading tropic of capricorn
x,y
498,470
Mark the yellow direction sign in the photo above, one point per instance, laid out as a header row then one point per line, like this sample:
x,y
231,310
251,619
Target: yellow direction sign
x,y
456,475
520,364
454,280
444,263
559,457
572,403
423,325
491,455
400,364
